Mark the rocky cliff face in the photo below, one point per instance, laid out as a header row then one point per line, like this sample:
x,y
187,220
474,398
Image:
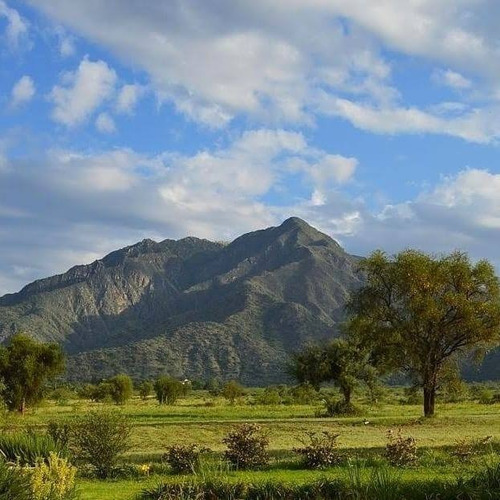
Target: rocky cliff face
x,y
192,308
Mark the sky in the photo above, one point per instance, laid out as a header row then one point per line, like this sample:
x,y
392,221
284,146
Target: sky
x,y
123,119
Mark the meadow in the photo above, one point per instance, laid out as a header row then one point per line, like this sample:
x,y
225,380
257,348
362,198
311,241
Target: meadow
x,y
204,419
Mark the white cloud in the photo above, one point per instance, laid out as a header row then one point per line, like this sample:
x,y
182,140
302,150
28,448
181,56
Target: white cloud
x,y
127,98
451,79
17,27
23,91
273,61
105,123
119,196
82,92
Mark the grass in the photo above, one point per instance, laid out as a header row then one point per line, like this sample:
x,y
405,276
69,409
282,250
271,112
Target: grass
x,y
204,420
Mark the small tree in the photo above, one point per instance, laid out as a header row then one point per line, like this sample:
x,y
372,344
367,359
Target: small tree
x,y
342,362
100,438
25,367
168,390
424,314
232,391
145,389
246,447
121,388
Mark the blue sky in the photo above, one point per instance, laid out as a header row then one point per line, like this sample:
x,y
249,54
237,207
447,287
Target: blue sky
x,y
125,119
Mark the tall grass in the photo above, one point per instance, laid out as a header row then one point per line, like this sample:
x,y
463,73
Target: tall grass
x,y
26,448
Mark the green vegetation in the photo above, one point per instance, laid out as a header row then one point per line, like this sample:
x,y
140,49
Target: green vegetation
x,y
25,366
425,315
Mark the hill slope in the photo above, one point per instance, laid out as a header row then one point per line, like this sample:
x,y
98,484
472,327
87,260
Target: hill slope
x,y
192,308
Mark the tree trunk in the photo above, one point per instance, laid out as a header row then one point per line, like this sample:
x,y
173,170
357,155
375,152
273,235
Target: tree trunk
x,y
346,392
22,408
429,400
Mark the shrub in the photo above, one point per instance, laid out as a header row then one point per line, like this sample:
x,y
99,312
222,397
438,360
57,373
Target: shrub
x,y
334,407
270,396
60,432
184,459
62,395
100,438
121,388
304,394
168,390
246,447
145,389
401,451
232,391
320,450
26,448
13,484
465,449
54,480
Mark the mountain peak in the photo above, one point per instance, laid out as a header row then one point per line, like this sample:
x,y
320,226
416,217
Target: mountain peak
x,y
295,222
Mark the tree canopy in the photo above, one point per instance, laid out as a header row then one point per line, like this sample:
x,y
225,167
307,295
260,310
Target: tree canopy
x,y
25,366
423,314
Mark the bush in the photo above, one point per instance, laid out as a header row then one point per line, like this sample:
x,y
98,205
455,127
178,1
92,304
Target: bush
x,y
100,438
232,391
246,447
60,432
465,449
270,396
320,450
146,389
184,459
401,451
121,388
54,480
304,394
26,448
14,485
334,407
168,390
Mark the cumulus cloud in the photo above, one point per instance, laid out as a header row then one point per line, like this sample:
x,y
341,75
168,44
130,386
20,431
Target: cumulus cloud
x,y
17,26
119,196
23,91
105,123
82,91
127,98
218,61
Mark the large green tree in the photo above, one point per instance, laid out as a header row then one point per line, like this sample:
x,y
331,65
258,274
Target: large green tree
x,y
25,366
423,314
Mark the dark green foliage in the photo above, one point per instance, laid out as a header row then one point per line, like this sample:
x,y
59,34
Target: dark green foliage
x,y
319,450
26,448
168,390
13,484
345,363
121,388
246,447
146,389
100,438
60,432
424,315
184,459
334,408
232,391
25,366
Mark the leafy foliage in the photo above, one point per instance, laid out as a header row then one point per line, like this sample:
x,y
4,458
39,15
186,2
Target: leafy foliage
x,y
246,447
100,438
184,459
146,389
26,448
423,314
14,485
25,366
319,450
121,388
168,390
401,451
232,390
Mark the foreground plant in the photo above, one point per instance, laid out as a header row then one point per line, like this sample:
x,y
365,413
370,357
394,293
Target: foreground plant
x,y
247,447
320,450
184,459
401,451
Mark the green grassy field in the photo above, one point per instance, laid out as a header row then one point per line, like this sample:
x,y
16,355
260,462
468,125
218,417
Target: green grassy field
x,y
205,420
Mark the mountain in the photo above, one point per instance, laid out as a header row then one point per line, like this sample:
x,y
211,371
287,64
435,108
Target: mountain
x,y
192,308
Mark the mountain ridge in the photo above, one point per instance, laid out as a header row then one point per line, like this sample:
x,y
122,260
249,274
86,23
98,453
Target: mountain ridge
x,y
191,307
